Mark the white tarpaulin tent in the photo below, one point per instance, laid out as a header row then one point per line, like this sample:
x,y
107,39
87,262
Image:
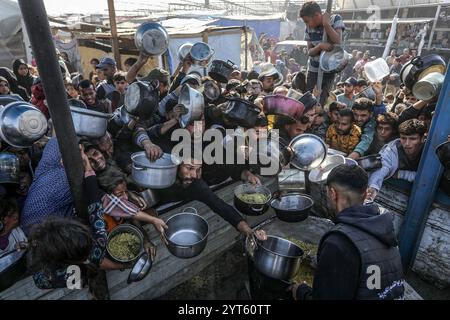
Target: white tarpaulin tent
x,y
11,40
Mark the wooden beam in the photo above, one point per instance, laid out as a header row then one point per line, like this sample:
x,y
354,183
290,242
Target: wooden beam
x,y
114,38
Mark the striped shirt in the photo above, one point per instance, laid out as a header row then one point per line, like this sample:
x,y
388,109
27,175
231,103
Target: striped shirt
x,y
315,36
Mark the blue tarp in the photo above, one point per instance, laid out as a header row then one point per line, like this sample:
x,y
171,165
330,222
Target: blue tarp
x,y
270,27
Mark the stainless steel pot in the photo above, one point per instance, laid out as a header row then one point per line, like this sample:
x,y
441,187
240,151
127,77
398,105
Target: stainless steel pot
x,y
89,123
125,228
150,197
121,117
159,174
13,266
308,151
419,67
151,38
21,124
276,257
9,168
142,98
211,90
429,86
201,53
335,60
187,234
184,50
292,207
194,102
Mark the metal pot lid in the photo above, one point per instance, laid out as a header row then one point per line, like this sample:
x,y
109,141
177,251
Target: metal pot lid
x,y
141,268
201,51
184,50
152,38
165,162
308,151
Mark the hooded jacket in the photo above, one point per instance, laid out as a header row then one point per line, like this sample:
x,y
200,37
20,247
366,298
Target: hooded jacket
x,y
341,269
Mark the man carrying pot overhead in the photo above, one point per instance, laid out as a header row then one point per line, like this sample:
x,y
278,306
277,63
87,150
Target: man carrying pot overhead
x,y
359,257
190,186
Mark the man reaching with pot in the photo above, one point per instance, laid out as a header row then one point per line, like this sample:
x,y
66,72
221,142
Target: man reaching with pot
x,y
400,158
358,258
190,186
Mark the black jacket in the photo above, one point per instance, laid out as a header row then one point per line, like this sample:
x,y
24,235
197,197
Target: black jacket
x,y
339,265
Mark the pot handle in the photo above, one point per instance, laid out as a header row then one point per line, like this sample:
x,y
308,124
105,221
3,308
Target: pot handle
x,y
257,210
138,168
194,211
212,51
231,63
417,61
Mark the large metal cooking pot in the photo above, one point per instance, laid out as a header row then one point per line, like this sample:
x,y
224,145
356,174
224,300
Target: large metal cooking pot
x,y
150,197
419,67
308,100
251,209
151,38
184,50
308,151
21,124
201,53
320,174
242,112
142,98
159,174
275,257
292,207
187,234
283,106
371,162
89,123
220,70
125,228
194,102
267,152
9,168
429,86
335,60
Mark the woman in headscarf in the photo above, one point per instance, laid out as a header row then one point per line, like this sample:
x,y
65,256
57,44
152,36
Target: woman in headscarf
x,y
13,85
24,77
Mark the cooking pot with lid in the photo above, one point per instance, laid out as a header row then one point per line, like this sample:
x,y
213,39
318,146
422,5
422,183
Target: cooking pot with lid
x,y
419,67
142,98
220,70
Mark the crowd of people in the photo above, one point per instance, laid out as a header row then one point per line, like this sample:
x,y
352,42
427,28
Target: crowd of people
x,y
352,116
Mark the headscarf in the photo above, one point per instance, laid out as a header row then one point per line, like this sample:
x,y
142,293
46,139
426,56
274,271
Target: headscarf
x,y
13,85
49,194
23,81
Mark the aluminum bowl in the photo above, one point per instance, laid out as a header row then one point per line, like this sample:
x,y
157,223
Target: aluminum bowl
x,y
184,50
308,151
283,106
320,174
194,102
21,124
151,38
141,268
334,60
89,123
159,174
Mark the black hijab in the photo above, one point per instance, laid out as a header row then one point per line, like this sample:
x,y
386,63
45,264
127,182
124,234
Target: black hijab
x,y
23,81
13,85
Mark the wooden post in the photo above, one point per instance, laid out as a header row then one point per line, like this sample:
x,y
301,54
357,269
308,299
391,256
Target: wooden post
x,y
36,22
246,46
114,38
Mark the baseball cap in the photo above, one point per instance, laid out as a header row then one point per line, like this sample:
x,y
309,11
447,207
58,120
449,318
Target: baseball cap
x,y
351,81
106,61
361,82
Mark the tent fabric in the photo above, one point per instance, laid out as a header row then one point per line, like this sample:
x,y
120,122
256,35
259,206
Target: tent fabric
x,y
11,43
270,27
